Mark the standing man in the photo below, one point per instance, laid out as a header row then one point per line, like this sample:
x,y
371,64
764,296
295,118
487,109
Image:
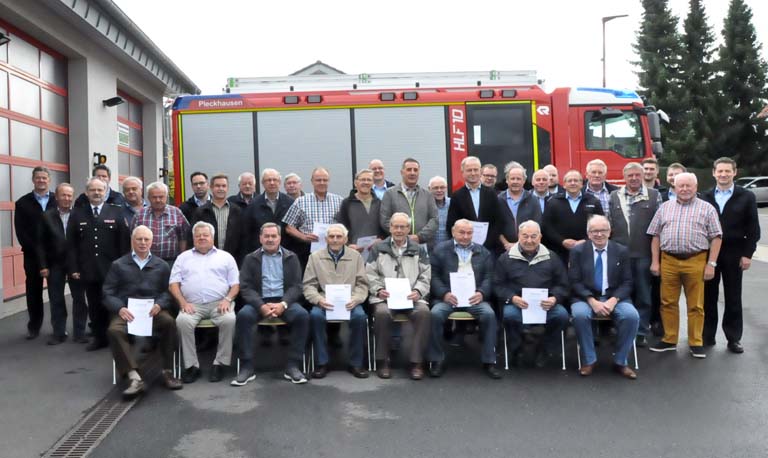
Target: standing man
x,y
554,185
632,209
601,281
224,215
204,281
246,183
439,188
52,253
270,285
168,225
475,202
741,231
359,212
686,241
540,182
400,257
488,175
414,201
200,195
462,255
596,184
139,275
292,186
337,265
564,224
650,173
673,170
26,218
268,207
380,183
133,191
112,197
516,204
97,235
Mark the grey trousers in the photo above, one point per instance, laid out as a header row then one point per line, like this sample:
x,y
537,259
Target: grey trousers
x,y
186,324
419,317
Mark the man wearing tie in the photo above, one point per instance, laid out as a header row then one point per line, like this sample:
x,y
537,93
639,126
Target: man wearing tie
x,y
601,283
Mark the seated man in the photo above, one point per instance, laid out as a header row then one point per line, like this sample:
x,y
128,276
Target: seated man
x,y
601,280
139,275
204,281
400,257
336,265
462,255
270,285
529,264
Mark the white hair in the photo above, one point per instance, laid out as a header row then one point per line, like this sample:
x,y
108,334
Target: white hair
x,y
400,215
435,178
293,175
204,225
529,223
266,171
157,185
246,175
337,226
137,180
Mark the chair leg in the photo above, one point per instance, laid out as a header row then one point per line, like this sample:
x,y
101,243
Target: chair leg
x,y
238,365
562,347
312,356
114,372
634,350
371,348
578,353
506,354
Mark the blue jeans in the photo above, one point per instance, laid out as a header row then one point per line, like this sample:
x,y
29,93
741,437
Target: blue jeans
x,y
641,296
296,317
557,320
484,315
357,323
625,317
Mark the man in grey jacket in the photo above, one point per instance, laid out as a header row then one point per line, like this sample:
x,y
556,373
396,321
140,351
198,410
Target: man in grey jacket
x,y
413,200
399,257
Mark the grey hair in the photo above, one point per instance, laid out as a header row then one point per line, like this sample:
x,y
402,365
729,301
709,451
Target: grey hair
x,y
435,178
203,224
266,171
269,225
400,214
293,175
687,175
157,185
140,226
91,180
632,165
599,162
245,175
530,223
514,165
357,175
337,226
135,179
462,221
468,159
597,218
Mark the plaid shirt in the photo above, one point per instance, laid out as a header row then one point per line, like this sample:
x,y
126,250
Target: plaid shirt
x,y
685,228
308,210
604,197
167,230
442,218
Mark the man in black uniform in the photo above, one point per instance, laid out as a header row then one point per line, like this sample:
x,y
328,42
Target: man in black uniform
x,y
111,196
26,218
97,235
200,194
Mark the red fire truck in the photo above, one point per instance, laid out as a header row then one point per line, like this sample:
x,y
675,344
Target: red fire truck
x,y
438,118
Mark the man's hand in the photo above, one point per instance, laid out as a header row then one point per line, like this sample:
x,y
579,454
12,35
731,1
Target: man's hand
x,y
187,308
325,305
351,304
476,298
451,299
600,308
414,296
155,310
519,302
44,273
75,275
125,314
548,303
383,294
224,306
272,310
414,237
569,243
311,237
655,269
709,272
745,263
359,249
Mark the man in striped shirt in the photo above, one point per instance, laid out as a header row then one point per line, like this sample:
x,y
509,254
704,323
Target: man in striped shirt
x,y
168,225
686,240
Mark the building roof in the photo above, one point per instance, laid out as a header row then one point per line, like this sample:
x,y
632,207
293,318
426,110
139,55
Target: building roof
x,y
318,68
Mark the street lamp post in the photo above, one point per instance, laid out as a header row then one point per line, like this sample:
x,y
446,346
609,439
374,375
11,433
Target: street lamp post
x,y
606,19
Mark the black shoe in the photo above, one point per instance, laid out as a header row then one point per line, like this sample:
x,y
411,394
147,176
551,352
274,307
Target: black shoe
x,y
735,347
641,341
56,340
215,375
191,374
96,344
358,372
245,375
436,369
698,352
709,342
542,358
31,335
320,372
491,371
663,346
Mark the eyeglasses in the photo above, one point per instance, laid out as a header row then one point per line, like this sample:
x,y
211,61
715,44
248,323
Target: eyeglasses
x,y
485,175
599,231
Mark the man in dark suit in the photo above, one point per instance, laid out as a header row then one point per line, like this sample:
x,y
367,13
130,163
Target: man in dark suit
x,y
246,184
268,207
224,216
564,223
475,202
52,253
111,197
741,231
516,205
601,285
554,184
96,235
673,170
26,218
200,194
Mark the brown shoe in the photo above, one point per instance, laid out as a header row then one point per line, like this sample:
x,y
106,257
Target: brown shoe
x,y
383,370
171,382
417,372
586,370
624,371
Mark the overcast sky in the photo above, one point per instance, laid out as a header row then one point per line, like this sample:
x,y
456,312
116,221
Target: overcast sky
x,y
561,40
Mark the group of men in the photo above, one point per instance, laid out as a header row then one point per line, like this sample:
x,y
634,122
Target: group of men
x,y
593,248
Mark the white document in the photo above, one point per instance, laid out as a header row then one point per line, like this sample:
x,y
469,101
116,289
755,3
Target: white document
x,y
339,296
479,232
398,289
142,322
366,243
463,287
534,314
319,229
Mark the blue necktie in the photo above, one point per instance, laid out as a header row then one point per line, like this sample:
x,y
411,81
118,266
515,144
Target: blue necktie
x,y
599,272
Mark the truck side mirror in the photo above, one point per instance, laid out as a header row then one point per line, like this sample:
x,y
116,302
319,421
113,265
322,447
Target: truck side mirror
x,y
657,148
654,126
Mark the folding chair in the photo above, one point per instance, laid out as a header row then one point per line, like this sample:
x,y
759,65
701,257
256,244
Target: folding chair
x,y
396,318
506,351
606,318
275,322
367,341
203,324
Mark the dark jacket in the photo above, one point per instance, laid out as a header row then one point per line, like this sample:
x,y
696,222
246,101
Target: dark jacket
x,y
528,209
93,243
188,207
257,214
581,272
633,236
251,282
741,226
444,260
234,226
489,209
27,217
115,198
360,223
238,200
52,245
515,272
125,280
559,222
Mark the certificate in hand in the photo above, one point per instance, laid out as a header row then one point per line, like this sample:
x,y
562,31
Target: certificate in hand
x,y
319,229
142,322
479,232
398,289
463,287
534,314
366,243
339,296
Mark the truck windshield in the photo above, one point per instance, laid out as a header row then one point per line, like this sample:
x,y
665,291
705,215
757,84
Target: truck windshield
x,y
620,134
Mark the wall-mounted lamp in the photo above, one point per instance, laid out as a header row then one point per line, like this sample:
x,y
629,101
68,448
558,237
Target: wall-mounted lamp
x,y
4,39
113,102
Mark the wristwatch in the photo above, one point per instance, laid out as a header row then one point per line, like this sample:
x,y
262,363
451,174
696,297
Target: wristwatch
x,y
712,263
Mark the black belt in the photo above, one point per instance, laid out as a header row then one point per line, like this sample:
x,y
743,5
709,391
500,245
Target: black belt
x,y
684,256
